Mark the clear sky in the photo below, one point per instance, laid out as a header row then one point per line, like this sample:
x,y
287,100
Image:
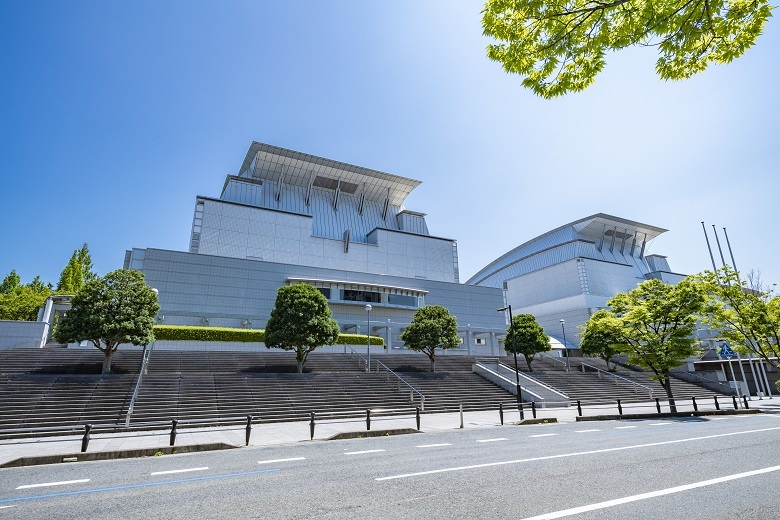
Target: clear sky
x,y
115,115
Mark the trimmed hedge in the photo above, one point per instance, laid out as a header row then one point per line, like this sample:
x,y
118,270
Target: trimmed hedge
x,y
187,333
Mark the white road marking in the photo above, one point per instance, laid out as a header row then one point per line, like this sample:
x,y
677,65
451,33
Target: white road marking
x,y
433,445
624,427
586,431
361,452
172,471
660,423
62,483
543,435
493,440
6,507
719,419
575,454
274,461
652,494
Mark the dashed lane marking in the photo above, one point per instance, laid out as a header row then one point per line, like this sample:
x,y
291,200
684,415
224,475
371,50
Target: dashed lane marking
x,y
660,424
493,440
624,427
433,445
652,494
586,431
46,484
291,459
361,452
172,471
543,435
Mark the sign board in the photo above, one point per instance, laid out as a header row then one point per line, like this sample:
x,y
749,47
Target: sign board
x,y
734,384
727,353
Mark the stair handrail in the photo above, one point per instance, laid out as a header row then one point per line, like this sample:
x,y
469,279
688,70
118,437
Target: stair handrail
x,y
617,377
536,381
698,376
553,358
528,379
412,389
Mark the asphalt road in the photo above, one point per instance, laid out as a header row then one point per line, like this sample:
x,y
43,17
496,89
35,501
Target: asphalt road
x,y
693,469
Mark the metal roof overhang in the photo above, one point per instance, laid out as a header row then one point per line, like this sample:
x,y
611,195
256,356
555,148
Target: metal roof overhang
x,y
367,285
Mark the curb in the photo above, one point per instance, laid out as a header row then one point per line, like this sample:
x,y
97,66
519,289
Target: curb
x,y
111,455
371,433
666,414
547,420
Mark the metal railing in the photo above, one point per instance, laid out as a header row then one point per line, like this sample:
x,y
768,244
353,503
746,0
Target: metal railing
x,y
618,379
399,381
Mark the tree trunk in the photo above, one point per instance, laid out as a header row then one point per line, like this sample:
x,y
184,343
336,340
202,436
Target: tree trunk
x,y
667,384
528,360
109,353
300,359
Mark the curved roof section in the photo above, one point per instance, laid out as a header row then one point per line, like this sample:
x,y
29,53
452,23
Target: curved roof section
x,y
590,228
267,162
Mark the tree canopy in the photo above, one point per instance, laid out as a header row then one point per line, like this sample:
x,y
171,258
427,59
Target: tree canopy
x,y
118,308
432,327
655,323
301,321
748,317
10,282
77,272
525,336
21,302
560,46
599,341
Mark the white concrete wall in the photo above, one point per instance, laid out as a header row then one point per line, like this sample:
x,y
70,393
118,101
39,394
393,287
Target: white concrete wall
x,y
28,334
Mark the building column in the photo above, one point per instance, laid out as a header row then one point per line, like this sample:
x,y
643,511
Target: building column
x,y
493,349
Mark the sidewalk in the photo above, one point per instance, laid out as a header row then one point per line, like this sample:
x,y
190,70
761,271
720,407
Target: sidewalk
x,y
293,432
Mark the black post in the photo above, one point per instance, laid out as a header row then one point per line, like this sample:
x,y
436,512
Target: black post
x,y
717,404
518,388
579,408
418,418
368,419
248,428
620,407
533,408
734,398
501,412
311,426
85,439
174,423
695,406
658,405
744,400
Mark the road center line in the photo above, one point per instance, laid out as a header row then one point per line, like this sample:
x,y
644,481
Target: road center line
x,y
543,435
433,445
586,431
651,494
575,454
46,484
172,471
361,452
280,460
493,440
624,427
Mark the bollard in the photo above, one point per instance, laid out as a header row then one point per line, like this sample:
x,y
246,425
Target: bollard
x,y
579,408
658,405
85,439
418,418
501,412
522,412
717,404
368,419
695,406
248,428
533,408
620,407
744,400
311,427
461,415
174,423
734,398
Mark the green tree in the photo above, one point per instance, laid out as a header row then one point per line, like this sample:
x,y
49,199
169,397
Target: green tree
x,y
10,282
655,323
301,321
560,46
432,327
599,341
77,272
744,313
22,303
525,336
118,308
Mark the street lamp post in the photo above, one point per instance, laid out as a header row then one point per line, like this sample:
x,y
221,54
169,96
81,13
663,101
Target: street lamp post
x,y
517,370
368,336
565,348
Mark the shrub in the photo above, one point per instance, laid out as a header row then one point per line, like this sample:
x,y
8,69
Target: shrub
x,y
189,333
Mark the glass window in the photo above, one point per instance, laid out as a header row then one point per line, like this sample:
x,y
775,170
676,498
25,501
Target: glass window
x,y
325,291
350,295
400,299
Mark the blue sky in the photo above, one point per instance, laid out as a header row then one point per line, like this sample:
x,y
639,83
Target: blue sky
x,y
115,115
